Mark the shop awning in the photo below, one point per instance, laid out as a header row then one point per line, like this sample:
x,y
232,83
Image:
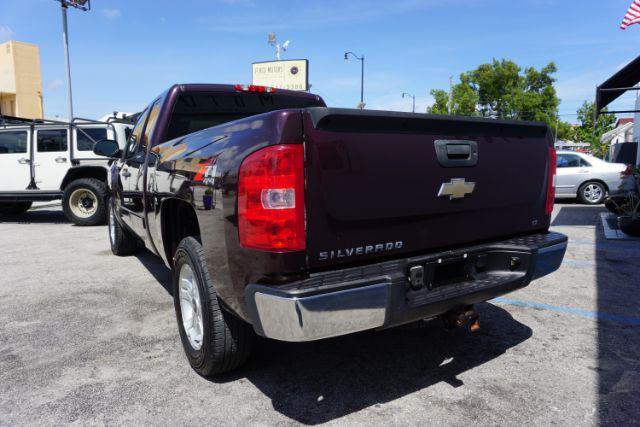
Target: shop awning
x,y
621,82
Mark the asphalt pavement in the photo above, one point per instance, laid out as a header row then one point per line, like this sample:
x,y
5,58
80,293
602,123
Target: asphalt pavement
x,y
90,338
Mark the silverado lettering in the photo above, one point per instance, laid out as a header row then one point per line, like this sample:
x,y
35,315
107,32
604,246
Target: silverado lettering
x,y
360,250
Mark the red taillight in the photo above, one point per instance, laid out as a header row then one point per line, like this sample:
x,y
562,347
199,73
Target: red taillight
x,y
255,88
551,181
627,172
271,199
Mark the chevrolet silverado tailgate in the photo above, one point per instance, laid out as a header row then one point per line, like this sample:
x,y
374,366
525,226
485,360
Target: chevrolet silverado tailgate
x,y
383,184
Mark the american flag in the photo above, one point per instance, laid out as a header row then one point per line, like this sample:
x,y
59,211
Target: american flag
x,y
632,16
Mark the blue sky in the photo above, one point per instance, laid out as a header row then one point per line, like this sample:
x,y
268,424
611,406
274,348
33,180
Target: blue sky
x,y
123,53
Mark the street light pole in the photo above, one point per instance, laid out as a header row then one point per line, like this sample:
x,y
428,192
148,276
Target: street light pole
x,y
413,97
65,42
361,59
83,5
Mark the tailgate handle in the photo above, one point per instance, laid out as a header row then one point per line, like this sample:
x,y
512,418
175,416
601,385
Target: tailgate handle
x,y
456,153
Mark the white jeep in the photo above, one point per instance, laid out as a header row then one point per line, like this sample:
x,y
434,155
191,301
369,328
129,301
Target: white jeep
x,y
47,160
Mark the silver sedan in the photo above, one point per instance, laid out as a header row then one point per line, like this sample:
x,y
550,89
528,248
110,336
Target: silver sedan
x,y
588,178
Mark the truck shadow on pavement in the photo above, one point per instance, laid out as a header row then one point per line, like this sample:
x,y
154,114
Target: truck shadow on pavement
x,y
317,382
158,270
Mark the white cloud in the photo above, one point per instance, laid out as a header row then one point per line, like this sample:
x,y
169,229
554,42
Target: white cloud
x,y
6,33
111,13
54,84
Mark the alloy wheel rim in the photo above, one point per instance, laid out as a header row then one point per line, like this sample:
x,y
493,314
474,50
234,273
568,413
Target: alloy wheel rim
x,y
190,306
83,203
592,192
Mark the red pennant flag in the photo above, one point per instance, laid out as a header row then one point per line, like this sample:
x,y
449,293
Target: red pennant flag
x,y
632,16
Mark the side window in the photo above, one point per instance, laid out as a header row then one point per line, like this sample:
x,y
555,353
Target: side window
x,y
13,142
52,140
150,127
584,163
562,161
568,161
84,142
136,134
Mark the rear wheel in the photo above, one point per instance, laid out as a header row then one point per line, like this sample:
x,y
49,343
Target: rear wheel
x,y
122,242
84,200
213,338
14,208
592,193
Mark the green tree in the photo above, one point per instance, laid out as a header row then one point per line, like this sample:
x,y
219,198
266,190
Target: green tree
x,y
504,90
440,103
587,132
564,131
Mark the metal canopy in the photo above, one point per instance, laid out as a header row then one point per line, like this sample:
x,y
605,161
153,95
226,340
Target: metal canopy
x,y
622,81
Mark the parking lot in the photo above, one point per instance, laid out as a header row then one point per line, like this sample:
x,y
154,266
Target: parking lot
x,y
88,337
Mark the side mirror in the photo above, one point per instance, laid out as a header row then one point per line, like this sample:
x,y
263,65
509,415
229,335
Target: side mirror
x,y
107,148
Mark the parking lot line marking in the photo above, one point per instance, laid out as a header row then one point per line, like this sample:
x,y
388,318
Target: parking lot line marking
x,y
578,262
570,310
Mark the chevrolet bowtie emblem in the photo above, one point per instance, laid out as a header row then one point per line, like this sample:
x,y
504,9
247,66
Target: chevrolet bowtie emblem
x,y
456,189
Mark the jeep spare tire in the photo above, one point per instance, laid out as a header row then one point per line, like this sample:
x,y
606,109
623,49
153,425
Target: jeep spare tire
x,y
84,202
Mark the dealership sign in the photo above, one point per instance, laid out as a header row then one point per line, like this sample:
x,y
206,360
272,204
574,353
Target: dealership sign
x,y
292,74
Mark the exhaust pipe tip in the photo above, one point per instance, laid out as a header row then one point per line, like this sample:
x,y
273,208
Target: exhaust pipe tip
x,y
463,317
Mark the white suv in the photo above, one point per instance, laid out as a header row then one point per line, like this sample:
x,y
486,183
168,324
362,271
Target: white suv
x,y
42,161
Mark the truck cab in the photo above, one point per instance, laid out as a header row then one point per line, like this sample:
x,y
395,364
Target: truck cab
x,y
49,160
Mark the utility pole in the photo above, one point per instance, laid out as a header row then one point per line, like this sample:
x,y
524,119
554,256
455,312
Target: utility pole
x,y
83,5
67,64
361,59
450,95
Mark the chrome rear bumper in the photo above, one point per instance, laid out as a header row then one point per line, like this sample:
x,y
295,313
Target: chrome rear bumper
x,y
322,316
333,304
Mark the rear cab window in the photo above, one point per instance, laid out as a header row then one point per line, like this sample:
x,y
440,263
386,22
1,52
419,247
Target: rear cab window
x,y
195,111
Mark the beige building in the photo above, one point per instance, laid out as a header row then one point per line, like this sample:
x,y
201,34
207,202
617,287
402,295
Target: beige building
x,y
20,83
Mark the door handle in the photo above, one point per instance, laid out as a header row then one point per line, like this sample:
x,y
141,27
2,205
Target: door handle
x,y
126,173
456,153
24,161
60,159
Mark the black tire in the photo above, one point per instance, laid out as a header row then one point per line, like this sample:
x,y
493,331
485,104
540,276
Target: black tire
x,y
121,240
14,208
226,341
88,197
588,189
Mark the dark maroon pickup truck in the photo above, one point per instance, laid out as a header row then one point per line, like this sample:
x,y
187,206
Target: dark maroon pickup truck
x,y
284,218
